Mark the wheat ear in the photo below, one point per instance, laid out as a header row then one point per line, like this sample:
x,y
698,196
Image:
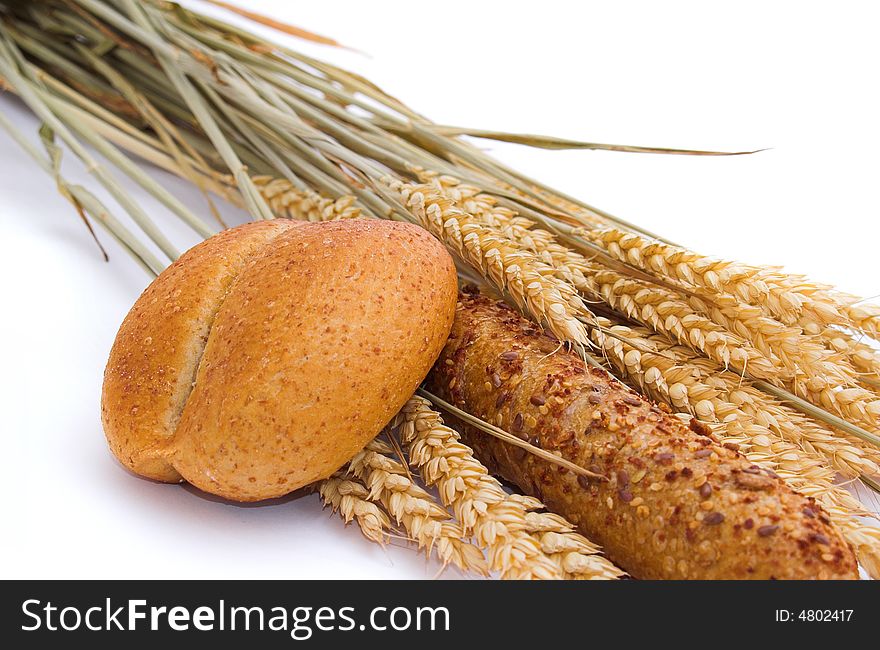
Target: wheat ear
x,y
425,521
509,267
571,551
568,265
349,497
797,352
862,316
791,299
656,307
286,201
668,313
863,357
517,547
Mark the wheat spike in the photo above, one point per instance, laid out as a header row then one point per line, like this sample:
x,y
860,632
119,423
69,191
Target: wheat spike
x,y
287,202
569,265
425,521
668,313
500,523
800,355
864,358
732,333
763,342
795,351
819,380
656,307
862,316
348,497
510,268
571,551
791,299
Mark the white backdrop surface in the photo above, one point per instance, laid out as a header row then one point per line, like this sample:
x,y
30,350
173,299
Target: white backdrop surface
x,y
797,77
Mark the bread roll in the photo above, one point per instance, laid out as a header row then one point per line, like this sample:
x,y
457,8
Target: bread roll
x,y
676,504
266,356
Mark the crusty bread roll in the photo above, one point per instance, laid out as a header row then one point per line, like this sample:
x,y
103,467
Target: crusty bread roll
x,y
266,356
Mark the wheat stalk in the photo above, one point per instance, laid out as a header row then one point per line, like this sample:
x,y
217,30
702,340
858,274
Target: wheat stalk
x,y
654,306
758,320
862,316
820,381
788,298
569,265
500,523
796,351
668,313
349,497
425,521
307,205
510,268
864,358
575,555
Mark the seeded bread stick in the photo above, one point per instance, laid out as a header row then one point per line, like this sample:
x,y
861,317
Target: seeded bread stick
x,y
676,504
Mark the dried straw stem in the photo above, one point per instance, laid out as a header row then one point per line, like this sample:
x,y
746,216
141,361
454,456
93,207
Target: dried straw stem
x,y
518,545
508,266
425,521
349,497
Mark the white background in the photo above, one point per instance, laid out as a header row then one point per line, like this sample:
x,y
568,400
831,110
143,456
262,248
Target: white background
x,y
798,77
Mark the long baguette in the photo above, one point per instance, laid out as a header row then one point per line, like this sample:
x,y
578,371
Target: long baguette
x,y
675,503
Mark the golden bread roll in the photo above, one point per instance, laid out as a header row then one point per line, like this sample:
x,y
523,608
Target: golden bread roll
x,y
266,356
676,504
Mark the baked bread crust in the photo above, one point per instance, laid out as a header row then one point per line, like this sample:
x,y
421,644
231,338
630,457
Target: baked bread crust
x,y
677,504
153,360
320,337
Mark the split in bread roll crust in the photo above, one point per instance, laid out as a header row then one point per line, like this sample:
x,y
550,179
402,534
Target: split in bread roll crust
x,y
265,357
153,361
676,504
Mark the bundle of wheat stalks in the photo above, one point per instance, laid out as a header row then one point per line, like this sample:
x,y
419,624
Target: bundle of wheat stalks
x,y
779,365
